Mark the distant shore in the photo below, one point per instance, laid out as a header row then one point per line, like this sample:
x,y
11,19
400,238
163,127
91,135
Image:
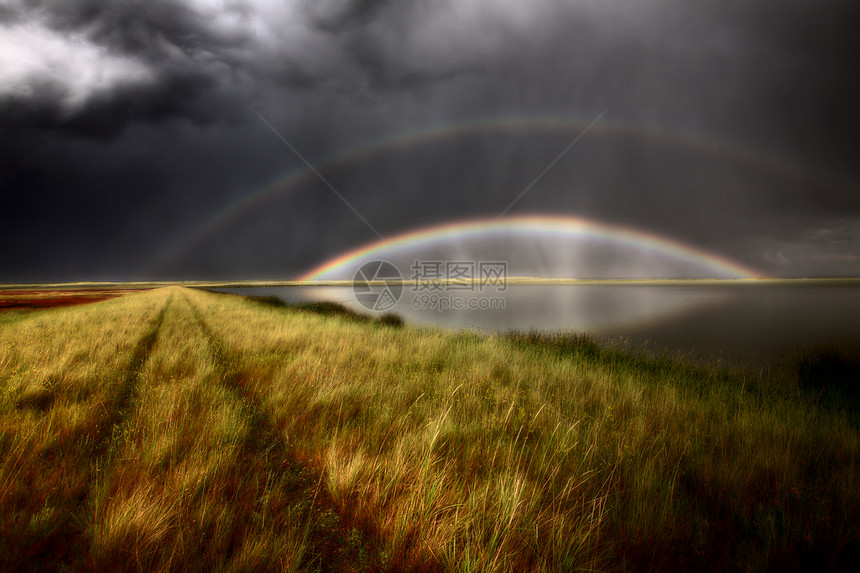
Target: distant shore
x,y
510,281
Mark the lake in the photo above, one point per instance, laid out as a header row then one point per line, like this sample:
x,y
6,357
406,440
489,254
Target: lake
x,y
752,323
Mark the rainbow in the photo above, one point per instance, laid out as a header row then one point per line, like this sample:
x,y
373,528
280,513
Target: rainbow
x,y
556,225
294,179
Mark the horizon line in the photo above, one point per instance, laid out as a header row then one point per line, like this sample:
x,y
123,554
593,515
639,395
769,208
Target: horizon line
x,y
510,281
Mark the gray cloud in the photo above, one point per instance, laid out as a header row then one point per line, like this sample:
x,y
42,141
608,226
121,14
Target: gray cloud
x,y
118,114
91,66
336,16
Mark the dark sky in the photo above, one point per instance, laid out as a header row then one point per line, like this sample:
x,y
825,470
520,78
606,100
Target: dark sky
x,y
126,126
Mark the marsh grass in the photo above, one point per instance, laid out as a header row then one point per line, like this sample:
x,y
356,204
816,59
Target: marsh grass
x,y
180,428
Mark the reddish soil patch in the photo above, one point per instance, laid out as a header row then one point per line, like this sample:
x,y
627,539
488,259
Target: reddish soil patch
x,y
40,298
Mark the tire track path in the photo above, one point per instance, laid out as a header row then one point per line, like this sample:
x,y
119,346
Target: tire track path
x,y
268,453
122,405
85,449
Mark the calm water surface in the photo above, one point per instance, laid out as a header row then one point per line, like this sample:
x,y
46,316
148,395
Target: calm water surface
x,y
751,323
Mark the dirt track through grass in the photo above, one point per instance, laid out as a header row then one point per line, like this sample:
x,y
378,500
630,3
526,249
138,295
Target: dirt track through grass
x,y
181,429
272,457
171,452
197,464
66,412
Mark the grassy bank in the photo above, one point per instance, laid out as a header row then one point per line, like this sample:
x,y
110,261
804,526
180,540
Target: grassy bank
x,y
177,427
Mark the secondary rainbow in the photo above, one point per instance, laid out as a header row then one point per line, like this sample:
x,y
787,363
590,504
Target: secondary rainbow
x,y
294,179
558,225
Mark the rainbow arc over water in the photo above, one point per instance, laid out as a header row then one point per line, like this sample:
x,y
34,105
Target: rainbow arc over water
x,y
530,225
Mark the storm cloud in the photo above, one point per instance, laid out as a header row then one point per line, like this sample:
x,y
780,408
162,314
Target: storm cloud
x,y
127,127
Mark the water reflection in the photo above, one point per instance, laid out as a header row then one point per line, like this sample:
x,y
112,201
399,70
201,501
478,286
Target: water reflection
x,y
734,322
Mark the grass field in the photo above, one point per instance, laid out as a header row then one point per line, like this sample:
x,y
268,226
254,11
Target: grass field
x,y
181,429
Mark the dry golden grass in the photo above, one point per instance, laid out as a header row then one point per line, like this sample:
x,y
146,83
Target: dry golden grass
x,y
183,429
